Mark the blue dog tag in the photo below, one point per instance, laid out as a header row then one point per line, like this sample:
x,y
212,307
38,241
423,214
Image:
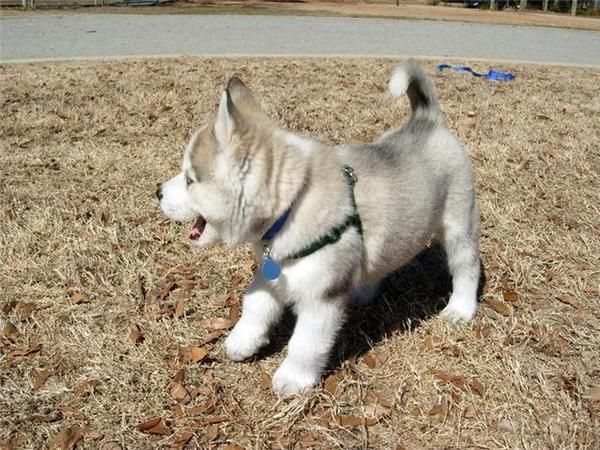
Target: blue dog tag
x,y
270,269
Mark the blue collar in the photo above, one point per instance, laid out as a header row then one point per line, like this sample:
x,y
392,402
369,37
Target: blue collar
x,y
277,226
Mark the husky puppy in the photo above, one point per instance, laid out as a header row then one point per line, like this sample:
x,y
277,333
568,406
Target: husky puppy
x,y
327,224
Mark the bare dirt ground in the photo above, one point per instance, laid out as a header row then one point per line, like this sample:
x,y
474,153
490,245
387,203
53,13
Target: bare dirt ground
x,y
112,327
406,10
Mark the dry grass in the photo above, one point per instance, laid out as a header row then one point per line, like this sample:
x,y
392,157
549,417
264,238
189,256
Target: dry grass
x,y
84,253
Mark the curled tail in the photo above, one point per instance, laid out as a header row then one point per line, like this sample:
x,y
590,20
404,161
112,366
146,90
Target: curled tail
x,y
409,78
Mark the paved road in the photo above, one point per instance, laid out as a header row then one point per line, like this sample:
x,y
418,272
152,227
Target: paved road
x,y
26,37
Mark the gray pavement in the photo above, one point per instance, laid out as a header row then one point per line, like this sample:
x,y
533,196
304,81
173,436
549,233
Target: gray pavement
x,y
82,36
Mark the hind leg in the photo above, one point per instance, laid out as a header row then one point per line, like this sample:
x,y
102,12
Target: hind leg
x,y
461,242
363,295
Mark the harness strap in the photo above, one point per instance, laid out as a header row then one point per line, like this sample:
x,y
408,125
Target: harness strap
x,y
336,233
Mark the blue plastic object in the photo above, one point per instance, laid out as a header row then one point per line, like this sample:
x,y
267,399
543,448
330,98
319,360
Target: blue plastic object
x,y
491,75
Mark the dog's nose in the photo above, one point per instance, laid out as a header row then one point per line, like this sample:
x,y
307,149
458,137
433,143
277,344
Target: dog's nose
x,y
158,192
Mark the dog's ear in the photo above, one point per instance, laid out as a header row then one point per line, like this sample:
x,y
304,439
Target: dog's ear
x,y
237,103
242,97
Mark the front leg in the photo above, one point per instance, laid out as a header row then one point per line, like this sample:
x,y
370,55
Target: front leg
x,y
310,346
260,311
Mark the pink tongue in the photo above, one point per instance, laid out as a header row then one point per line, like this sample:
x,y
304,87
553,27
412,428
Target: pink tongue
x,y
197,228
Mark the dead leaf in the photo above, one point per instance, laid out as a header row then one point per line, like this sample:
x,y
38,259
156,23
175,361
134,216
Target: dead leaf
x,y
40,378
233,447
265,381
24,310
482,331
180,393
331,383
215,419
9,443
9,307
72,411
211,337
375,412
553,345
48,418
369,361
453,350
180,375
542,117
179,308
234,313
218,323
591,290
155,425
593,393
66,438
160,294
9,330
349,421
206,408
549,151
498,306
77,297
510,296
584,437
186,284
440,409
27,352
432,342
211,433
477,387
86,387
93,435
456,379
309,440
194,354
569,300
194,391
178,411
469,412
372,399
135,334
324,420
111,445
237,279
182,439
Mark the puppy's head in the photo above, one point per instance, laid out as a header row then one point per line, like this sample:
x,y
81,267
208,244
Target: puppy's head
x,y
225,172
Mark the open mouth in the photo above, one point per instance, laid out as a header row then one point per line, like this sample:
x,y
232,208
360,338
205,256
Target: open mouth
x,y
197,228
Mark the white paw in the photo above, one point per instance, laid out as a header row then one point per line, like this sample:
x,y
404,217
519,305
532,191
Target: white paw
x,y
290,380
244,341
459,310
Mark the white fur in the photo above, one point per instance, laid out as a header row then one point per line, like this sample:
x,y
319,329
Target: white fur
x,y
399,82
176,203
306,146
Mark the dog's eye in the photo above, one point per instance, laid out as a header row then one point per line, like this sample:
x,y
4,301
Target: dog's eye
x,y
188,180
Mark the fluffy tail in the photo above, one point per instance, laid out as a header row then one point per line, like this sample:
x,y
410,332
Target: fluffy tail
x,y
409,78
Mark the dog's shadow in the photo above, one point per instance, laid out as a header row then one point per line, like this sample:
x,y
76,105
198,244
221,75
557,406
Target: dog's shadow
x,y
411,295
